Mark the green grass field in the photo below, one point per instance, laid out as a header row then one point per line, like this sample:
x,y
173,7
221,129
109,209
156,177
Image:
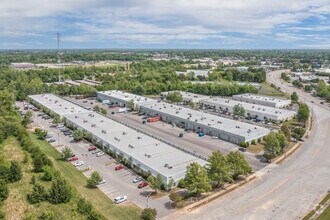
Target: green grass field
x,y
325,215
97,198
16,205
266,89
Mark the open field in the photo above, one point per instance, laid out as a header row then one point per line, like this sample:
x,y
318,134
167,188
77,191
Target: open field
x,y
266,89
97,198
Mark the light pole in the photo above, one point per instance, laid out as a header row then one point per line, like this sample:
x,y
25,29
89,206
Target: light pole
x,y
58,138
147,201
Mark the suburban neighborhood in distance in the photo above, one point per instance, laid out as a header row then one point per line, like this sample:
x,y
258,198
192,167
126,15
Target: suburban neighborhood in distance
x,y
144,110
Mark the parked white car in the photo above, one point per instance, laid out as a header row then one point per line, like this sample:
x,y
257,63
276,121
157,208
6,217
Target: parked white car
x,y
137,179
120,199
79,163
102,181
100,154
214,137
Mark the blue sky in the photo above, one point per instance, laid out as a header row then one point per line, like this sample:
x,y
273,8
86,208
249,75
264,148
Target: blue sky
x,y
210,24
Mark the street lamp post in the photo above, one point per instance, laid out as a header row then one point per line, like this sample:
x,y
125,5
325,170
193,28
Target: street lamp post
x,y
58,138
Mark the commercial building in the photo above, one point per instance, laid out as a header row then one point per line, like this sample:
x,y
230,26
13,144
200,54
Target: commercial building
x,y
121,98
143,152
203,73
262,100
187,96
255,85
223,128
56,105
251,110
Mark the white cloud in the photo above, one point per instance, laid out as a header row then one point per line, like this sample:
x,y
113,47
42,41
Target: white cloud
x,y
161,21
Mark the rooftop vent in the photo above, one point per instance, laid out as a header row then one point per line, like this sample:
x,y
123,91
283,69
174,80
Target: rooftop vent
x,y
124,132
85,121
139,137
104,131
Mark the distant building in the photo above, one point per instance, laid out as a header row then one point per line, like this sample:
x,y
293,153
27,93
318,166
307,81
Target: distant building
x,y
23,65
187,96
262,100
242,68
204,73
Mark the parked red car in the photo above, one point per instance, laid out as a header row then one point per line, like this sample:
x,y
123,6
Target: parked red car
x,y
143,184
91,148
119,167
72,159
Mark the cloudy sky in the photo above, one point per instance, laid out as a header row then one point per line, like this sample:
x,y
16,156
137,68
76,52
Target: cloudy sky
x,y
215,24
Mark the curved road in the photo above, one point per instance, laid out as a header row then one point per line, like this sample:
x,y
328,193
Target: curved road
x,y
292,188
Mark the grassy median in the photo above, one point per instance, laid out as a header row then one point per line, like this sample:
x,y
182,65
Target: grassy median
x,y
97,198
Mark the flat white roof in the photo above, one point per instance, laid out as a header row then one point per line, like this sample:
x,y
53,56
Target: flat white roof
x,y
250,107
188,95
135,144
58,105
125,96
248,131
263,98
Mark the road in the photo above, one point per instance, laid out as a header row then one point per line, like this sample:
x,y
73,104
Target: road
x,y
291,189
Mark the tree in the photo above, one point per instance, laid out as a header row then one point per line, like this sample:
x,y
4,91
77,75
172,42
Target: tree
x,y
38,194
39,161
272,145
239,110
60,191
286,132
218,169
170,184
96,108
238,164
174,96
66,153
176,199
4,191
83,206
131,105
282,140
41,134
298,132
27,119
15,172
78,135
294,97
56,119
148,214
303,113
192,105
94,179
196,179
104,111
155,183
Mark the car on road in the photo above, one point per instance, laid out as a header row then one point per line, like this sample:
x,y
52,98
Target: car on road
x,y
73,158
79,163
120,199
143,184
242,149
119,167
102,181
137,179
51,140
91,148
99,154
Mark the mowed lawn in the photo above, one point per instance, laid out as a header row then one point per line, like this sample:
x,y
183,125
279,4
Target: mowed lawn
x,y
266,89
99,200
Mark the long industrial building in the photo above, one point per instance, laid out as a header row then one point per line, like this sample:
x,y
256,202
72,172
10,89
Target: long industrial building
x,y
255,111
187,96
262,100
144,152
122,98
56,105
223,128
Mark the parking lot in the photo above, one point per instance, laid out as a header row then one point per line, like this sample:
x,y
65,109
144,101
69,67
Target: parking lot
x,y
118,183
203,146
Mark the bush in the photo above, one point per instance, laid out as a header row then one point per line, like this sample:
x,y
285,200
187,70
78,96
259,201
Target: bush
x,y
259,140
2,215
176,199
60,191
148,214
15,172
83,206
181,183
38,194
48,173
253,142
93,215
4,191
47,215
94,179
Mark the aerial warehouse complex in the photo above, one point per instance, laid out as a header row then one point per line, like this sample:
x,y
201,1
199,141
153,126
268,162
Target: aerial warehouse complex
x,y
226,129
143,152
